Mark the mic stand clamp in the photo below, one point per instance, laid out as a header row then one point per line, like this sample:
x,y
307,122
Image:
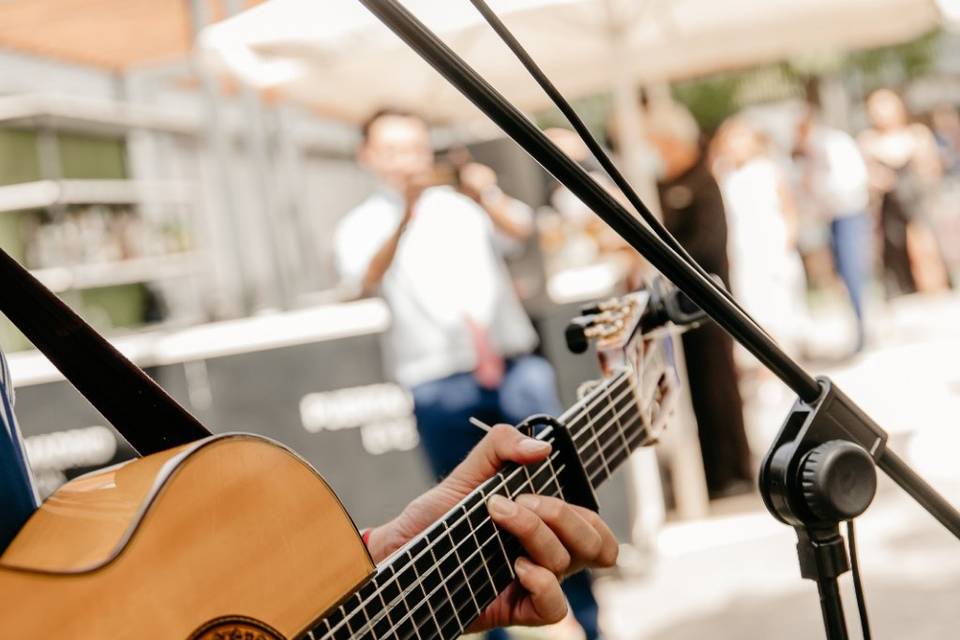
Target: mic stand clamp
x,y
819,472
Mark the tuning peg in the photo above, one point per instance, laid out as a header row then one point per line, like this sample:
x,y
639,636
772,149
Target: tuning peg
x,y
594,308
576,334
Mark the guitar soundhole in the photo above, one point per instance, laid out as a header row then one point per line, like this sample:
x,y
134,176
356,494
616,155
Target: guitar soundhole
x,y
235,628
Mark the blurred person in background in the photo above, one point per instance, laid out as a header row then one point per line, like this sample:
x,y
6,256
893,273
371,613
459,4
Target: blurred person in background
x,y
693,212
571,233
459,339
835,177
766,273
18,494
946,133
903,167
946,214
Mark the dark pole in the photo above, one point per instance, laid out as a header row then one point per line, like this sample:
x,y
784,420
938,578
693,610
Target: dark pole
x,y
700,289
923,493
831,606
143,413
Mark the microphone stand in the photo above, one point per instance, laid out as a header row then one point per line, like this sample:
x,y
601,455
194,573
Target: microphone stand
x,y
821,468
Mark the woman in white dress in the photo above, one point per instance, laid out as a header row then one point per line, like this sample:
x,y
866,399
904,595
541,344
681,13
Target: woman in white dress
x,y
766,273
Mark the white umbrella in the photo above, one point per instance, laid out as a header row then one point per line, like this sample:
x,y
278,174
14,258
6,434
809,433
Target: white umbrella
x,y
336,56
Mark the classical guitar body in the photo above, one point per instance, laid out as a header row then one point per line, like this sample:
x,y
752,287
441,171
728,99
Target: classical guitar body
x,y
230,537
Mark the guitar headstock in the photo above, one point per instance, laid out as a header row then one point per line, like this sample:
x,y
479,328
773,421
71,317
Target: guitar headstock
x,y
634,333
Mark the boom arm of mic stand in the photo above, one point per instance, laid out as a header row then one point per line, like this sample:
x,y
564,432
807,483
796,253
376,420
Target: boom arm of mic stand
x,y
925,495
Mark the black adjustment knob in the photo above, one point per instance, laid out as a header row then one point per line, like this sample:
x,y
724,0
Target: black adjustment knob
x,y
576,334
839,480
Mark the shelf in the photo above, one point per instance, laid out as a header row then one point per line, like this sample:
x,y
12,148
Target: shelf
x,y
92,276
48,193
87,115
118,118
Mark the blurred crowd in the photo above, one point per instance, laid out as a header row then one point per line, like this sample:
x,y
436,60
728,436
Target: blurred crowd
x,y
787,215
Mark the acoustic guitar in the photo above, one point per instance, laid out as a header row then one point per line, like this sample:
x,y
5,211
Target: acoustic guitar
x,y
235,537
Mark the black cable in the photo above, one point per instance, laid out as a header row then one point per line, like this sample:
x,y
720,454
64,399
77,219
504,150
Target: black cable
x,y
857,585
598,152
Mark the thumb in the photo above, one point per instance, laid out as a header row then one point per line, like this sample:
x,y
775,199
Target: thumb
x,y
503,444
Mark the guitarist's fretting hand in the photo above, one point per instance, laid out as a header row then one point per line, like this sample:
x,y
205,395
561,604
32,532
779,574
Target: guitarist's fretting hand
x,y
560,539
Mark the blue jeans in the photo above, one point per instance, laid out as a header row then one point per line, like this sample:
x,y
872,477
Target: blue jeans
x,y
850,243
442,409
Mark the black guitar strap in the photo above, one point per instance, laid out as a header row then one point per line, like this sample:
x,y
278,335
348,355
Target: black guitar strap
x,y
143,413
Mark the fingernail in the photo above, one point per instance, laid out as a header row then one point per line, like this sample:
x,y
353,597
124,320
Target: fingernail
x,y
500,506
529,500
522,565
531,445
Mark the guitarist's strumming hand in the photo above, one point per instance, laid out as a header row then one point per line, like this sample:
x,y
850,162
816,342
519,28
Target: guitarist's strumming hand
x,y
560,539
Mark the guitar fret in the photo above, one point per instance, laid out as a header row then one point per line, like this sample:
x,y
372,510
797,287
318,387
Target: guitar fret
x,y
556,481
516,483
463,570
473,533
604,473
497,532
409,584
449,601
390,595
615,410
366,617
426,579
625,416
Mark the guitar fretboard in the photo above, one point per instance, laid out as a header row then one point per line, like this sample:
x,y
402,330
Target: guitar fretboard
x,y
434,587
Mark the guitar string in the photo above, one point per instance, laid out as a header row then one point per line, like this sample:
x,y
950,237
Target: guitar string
x,y
603,393
544,466
592,401
467,514
459,588
402,593
466,585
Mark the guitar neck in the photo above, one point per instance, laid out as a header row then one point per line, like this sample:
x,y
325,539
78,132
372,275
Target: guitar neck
x,y
439,583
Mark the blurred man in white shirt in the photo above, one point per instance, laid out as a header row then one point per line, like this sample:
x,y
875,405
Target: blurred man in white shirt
x,y
836,176
460,339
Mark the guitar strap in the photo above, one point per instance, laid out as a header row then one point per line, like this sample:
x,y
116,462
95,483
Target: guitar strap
x,y
144,414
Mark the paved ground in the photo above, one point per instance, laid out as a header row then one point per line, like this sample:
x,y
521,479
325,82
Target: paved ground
x,y
736,577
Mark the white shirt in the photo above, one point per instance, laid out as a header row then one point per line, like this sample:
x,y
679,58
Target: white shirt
x,y
447,268
838,173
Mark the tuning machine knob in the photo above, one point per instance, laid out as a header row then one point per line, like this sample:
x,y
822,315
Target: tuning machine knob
x,y
576,333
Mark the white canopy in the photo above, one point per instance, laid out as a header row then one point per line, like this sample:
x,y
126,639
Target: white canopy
x,y
335,56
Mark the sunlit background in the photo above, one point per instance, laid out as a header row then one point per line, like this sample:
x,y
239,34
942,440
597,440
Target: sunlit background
x,y
175,171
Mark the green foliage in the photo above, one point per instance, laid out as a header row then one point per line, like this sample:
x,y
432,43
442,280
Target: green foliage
x,y
898,63
711,100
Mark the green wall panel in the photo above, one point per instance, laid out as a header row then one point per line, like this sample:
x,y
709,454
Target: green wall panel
x,y
18,156
92,157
